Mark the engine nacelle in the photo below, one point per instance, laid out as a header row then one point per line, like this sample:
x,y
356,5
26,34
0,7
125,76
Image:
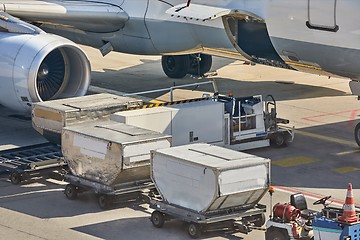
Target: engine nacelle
x,y
40,67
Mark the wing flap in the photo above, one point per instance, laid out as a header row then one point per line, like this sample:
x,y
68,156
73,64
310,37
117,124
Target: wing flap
x,y
87,16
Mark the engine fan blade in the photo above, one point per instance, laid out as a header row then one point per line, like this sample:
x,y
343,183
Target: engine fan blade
x,y
50,75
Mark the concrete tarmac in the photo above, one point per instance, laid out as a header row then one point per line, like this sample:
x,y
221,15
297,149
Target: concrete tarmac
x,y
321,161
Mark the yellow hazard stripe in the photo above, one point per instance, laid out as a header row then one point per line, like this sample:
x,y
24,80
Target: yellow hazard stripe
x,y
303,65
161,104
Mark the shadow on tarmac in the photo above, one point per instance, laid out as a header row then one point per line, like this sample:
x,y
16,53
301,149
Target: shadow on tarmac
x,y
324,156
144,79
173,230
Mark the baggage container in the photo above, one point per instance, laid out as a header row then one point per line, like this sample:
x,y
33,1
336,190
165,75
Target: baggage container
x,y
205,178
110,153
192,122
49,117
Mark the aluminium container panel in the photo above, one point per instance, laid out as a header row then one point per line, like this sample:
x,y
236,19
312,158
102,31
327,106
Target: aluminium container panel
x,y
203,177
52,116
157,119
187,122
110,152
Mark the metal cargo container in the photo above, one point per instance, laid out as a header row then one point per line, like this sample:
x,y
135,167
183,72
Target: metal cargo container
x,y
110,153
191,122
50,117
204,178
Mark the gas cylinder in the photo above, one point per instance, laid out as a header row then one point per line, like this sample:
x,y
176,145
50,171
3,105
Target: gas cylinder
x,y
286,212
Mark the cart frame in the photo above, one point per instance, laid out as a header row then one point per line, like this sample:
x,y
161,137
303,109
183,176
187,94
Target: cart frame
x,y
107,194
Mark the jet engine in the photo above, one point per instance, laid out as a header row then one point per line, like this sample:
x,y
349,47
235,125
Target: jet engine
x,y
40,67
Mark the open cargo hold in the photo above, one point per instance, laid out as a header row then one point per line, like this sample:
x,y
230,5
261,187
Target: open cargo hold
x,y
49,117
110,153
205,178
190,122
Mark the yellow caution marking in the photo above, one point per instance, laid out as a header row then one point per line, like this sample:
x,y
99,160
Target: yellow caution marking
x,y
348,152
329,139
294,161
303,65
346,169
156,101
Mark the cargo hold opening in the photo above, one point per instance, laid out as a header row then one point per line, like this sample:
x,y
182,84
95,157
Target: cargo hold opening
x,y
251,38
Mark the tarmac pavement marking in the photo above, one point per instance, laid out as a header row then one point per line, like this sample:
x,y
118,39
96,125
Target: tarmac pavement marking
x,y
346,169
326,138
294,161
348,152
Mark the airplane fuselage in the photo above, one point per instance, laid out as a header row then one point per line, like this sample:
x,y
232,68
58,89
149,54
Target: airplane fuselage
x,y
309,35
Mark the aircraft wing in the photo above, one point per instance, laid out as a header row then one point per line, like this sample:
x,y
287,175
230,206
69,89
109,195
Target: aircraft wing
x,y
83,15
204,12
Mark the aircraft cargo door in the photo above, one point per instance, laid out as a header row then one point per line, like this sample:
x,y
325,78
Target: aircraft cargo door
x,y
322,15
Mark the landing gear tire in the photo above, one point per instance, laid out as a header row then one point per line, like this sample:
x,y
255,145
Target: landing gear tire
x,y
175,66
200,66
157,219
278,140
357,134
194,230
15,178
71,192
276,235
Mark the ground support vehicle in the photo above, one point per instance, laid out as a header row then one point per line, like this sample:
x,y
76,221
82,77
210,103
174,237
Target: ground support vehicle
x,y
251,122
108,194
28,162
294,221
234,219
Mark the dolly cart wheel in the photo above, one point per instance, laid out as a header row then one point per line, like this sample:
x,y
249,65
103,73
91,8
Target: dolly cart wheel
x,y
15,178
157,219
260,220
357,134
194,230
71,192
104,201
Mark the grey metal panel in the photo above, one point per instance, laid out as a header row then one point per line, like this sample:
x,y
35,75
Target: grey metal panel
x,y
110,154
191,176
116,132
84,15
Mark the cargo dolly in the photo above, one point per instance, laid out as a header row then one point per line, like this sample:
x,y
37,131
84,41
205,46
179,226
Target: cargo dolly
x,y
209,187
232,219
108,195
27,162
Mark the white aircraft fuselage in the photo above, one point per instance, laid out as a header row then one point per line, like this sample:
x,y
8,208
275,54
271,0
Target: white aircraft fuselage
x,y
316,36
309,35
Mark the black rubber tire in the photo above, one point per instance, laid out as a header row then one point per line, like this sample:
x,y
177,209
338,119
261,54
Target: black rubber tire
x,y
202,67
157,219
357,134
276,234
175,66
71,192
278,140
194,230
260,220
104,201
15,178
